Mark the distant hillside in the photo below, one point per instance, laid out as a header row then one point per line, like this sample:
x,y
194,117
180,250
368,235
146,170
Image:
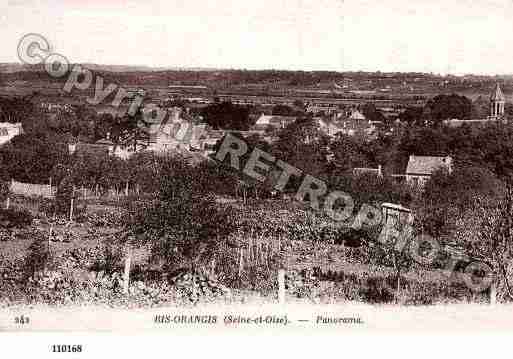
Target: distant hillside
x,y
11,67
15,67
264,82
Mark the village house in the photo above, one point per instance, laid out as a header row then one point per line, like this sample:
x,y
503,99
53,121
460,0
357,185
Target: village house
x,y
326,109
180,133
364,129
183,132
420,168
8,131
330,126
356,115
177,132
271,122
352,124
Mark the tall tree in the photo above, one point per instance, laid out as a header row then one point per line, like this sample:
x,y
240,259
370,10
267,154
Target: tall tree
x,y
446,107
226,115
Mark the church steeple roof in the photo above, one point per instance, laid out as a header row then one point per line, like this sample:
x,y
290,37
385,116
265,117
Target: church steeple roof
x,y
497,94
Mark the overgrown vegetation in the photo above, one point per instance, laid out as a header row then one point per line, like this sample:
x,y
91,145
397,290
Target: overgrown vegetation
x,y
175,207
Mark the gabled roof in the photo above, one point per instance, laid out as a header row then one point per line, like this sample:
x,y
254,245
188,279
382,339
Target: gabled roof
x,y
275,120
357,115
426,165
104,142
396,207
497,94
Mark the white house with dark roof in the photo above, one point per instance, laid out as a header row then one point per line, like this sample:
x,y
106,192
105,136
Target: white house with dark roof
x,y
326,109
266,122
420,168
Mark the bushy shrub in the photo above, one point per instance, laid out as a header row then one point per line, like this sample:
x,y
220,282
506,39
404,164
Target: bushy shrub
x,y
47,207
184,232
109,259
378,290
111,217
38,257
4,190
15,218
65,192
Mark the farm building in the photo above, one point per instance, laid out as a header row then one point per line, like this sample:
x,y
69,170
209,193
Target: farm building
x,y
420,168
396,216
266,122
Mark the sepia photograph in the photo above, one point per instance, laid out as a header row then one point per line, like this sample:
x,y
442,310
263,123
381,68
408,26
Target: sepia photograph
x,y
298,166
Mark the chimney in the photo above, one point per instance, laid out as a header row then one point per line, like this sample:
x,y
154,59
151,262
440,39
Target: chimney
x,y
72,148
448,162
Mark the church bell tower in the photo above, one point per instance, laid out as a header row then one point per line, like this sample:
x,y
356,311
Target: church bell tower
x,y
497,103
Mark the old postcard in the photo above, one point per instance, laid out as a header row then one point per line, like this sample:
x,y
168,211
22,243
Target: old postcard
x,y
334,166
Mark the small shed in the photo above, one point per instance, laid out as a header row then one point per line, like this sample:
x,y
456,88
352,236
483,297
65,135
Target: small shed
x,y
396,215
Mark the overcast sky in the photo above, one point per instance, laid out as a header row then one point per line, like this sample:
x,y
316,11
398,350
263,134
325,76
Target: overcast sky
x,y
441,36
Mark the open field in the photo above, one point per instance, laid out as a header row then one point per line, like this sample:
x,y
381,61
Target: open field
x,y
316,271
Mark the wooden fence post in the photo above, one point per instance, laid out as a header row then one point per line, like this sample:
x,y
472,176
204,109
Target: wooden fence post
x,y
71,205
126,278
241,258
213,267
249,249
281,286
50,235
493,293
